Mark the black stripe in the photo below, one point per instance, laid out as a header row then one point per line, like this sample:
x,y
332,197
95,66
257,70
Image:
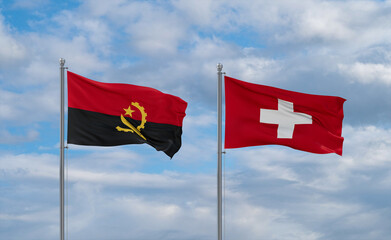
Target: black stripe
x,y
98,129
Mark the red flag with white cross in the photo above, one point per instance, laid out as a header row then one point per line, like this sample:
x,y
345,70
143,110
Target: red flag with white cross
x,y
263,115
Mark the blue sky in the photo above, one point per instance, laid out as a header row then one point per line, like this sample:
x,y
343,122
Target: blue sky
x,y
339,48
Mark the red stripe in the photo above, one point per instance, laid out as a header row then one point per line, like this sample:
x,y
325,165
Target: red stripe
x,y
113,98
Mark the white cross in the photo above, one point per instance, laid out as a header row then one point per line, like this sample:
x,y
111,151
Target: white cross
x,y
285,117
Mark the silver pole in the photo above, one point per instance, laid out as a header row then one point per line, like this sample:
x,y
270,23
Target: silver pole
x,y
62,68
219,151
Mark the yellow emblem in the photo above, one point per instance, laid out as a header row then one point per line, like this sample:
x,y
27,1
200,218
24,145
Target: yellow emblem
x,y
132,129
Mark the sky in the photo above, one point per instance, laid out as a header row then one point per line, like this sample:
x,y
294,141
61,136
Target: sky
x,y
327,47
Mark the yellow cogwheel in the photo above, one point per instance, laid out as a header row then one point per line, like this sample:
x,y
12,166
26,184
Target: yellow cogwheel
x,y
143,115
132,129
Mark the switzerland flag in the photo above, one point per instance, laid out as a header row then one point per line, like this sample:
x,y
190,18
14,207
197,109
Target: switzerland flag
x,y
262,115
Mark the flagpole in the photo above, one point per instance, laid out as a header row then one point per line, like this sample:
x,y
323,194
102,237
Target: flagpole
x,y
219,151
62,68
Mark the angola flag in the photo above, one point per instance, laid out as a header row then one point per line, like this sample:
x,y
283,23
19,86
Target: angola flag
x,y
111,114
263,115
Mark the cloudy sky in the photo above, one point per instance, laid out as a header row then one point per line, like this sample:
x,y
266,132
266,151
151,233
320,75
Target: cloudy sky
x,y
335,47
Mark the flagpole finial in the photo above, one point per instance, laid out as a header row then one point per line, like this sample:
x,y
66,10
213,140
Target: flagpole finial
x,y
219,67
62,61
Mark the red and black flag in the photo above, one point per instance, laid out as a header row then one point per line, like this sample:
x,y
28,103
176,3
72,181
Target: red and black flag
x,y
110,114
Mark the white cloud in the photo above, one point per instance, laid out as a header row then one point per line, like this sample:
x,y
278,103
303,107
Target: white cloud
x,y
365,150
21,108
30,166
373,142
152,29
11,49
156,33
204,14
272,192
323,21
253,69
367,73
135,179
76,51
183,203
352,24
8,138
210,15
93,30
169,215
100,169
257,222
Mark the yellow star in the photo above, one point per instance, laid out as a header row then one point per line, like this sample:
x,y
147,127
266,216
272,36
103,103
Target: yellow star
x,y
128,111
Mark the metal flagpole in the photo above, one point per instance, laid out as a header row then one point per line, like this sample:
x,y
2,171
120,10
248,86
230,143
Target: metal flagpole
x,y
219,151
62,68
